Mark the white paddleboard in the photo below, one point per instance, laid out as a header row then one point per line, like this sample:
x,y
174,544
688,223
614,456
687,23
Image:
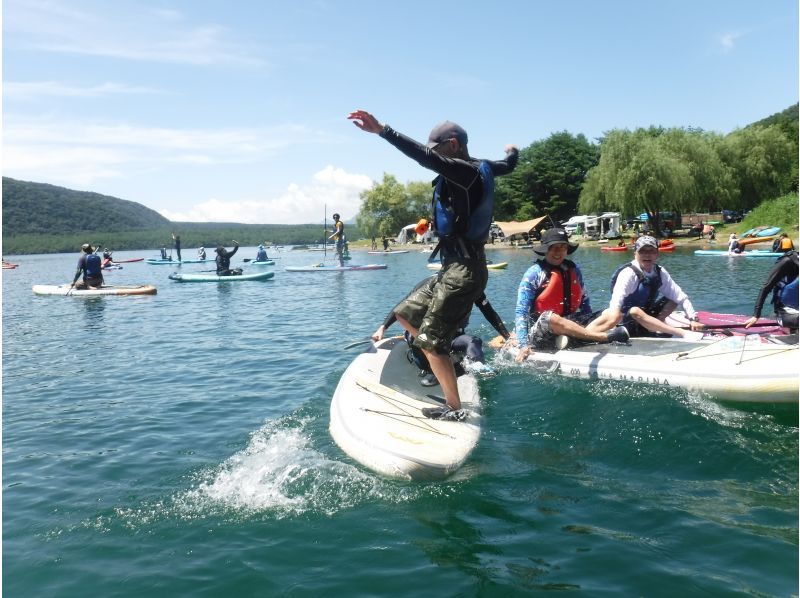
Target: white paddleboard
x,y
737,368
376,416
65,290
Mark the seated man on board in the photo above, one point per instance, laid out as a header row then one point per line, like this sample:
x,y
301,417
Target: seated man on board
x,y
552,301
635,302
91,266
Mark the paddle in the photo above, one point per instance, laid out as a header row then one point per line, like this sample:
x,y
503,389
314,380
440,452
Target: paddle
x,y
357,343
736,325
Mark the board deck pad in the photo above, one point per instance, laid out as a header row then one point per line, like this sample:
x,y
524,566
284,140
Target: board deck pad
x,y
402,376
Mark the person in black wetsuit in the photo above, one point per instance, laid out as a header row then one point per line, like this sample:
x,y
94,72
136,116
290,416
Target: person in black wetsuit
x,y
783,282
224,261
462,214
177,240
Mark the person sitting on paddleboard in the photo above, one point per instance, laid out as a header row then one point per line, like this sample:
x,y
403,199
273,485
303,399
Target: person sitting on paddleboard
x,y
201,253
733,244
338,236
552,300
261,256
464,347
91,266
462,205
782,280
224,261
107,257
635,288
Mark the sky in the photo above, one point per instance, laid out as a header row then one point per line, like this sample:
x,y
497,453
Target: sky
x,y
235,110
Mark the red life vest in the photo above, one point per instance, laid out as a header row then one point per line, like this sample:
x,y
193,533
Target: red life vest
x,y
561,288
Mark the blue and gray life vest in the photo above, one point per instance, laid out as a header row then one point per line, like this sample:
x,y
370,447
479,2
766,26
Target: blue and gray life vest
x,y
93,266
469,222
646,292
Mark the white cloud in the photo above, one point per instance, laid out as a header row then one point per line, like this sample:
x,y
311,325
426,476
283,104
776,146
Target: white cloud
x,y
728,40
128,33
299,204
26,90
67,152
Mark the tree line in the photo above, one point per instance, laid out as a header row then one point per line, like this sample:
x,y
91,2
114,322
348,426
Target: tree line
x,y
645,170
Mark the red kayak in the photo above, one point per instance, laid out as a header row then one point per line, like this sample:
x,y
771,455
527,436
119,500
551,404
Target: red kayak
x,y
9,266
667,248
133,259
614,248
665,243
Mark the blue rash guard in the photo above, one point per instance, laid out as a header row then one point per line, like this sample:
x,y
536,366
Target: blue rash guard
x,y
530,287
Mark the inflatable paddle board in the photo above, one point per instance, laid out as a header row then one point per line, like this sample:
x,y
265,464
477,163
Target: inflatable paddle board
x,y
753,253
64,290
159,261
389,251
493,266
736,368
211,277
376,416
331,268
264,263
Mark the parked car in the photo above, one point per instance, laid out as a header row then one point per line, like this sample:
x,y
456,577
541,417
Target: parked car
x,y
731,216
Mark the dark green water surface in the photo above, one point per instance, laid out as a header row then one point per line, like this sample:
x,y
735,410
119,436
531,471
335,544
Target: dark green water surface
x,y
178,445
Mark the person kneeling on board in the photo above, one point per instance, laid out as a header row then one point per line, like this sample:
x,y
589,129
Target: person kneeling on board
x,y
91,266
635,288
782,280
224,261
552,303
466,351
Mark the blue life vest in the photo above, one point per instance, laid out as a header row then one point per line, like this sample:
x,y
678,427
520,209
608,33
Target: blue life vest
x,y
470,222
646,292
788,295
786,291
93,266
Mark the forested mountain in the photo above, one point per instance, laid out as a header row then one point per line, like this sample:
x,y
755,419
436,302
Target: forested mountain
x,y
38,208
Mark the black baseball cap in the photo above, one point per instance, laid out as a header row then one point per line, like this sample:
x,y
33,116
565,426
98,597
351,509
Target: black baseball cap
x,y
447,130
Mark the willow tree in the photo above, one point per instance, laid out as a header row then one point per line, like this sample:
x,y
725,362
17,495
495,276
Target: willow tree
x,y
389,205
655,169
764,162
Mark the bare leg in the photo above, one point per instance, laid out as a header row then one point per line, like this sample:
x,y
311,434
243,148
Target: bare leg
x,y
442,368
654,324
606,321
566,326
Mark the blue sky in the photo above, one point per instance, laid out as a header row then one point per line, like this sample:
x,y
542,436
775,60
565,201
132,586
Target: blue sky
x,y
236,110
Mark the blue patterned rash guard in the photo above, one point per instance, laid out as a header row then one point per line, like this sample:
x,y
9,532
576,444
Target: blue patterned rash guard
x,y
529,288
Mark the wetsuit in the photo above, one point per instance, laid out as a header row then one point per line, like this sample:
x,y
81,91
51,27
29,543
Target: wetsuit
x,y
535,280
437,310
224,261
782,280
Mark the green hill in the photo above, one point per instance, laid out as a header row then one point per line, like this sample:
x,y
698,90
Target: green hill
x,y
37,208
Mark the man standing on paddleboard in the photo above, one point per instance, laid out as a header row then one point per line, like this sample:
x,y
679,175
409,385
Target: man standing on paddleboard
x,y
463,199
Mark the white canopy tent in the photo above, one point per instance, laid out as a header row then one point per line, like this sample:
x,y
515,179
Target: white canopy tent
x,y
518,228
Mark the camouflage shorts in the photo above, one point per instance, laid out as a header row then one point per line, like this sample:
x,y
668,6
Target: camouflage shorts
x,y
437,308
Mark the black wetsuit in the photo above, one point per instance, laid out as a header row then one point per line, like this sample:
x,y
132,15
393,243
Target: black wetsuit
x,y
224,261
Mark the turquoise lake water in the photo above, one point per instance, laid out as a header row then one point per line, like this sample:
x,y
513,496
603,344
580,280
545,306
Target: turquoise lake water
x,y
178,445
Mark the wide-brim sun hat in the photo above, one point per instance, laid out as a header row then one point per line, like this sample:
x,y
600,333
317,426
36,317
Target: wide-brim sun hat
x,y
553,236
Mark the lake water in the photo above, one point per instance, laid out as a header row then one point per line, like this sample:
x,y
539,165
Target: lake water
x,y
178,445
